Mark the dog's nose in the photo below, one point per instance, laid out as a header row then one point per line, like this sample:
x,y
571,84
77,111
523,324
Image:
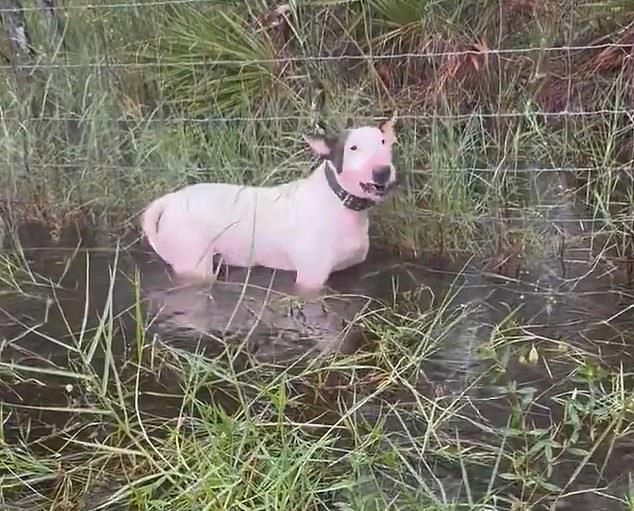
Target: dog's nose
x,y
381,175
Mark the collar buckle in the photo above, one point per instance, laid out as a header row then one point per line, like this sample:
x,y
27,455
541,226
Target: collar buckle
x,y
347,199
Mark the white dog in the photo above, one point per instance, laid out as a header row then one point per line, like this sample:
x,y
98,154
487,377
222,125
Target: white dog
x,y
314,226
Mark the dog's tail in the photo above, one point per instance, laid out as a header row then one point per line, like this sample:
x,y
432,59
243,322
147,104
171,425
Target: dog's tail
x,y
151,219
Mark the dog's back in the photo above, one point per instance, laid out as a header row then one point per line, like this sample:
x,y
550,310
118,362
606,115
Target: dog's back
x,y
246,225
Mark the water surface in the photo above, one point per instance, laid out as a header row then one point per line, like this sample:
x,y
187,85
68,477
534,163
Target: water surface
x,y
572,307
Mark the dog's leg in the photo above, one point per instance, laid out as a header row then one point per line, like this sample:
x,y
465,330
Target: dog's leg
x,y
311,281
191,276
312,260
195,268
195,272
309,286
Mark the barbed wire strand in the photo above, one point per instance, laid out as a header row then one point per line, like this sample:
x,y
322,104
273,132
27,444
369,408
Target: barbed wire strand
x,y
307,118
104,6
493,169
536,217
110,6
317,58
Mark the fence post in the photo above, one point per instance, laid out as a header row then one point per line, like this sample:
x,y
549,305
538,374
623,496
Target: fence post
x,y
16,29
14,22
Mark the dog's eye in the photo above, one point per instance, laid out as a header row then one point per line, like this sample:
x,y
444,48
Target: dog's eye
x,y
353,148
383,141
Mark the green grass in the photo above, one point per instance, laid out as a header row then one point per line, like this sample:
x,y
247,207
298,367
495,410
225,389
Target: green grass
x,y
137,101
123,416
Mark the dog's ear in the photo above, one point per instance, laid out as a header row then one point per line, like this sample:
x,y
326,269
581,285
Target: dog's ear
x,y
322,146
387,127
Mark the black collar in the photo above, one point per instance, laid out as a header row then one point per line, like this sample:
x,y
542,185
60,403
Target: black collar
x,y
347,199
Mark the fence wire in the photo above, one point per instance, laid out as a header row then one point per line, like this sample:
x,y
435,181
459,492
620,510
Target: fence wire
x,y
506,168
320,58
302,118
617,45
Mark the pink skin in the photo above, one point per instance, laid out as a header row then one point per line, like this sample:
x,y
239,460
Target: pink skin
x,y
300,226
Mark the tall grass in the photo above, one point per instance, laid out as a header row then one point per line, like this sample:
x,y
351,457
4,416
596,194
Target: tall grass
x,y
134,101
120,419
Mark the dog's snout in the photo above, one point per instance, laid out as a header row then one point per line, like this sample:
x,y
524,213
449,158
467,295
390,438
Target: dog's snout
x,y
381,175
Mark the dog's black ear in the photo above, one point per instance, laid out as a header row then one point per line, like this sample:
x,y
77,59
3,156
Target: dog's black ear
x,y
336,156
321,146
387,127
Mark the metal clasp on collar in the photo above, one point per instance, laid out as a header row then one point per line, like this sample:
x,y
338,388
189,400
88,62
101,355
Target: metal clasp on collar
x,y
348,200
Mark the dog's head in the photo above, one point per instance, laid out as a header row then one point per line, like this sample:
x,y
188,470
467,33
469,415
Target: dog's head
x,y
361,158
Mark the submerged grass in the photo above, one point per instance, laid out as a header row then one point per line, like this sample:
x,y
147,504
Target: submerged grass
x,y
105,414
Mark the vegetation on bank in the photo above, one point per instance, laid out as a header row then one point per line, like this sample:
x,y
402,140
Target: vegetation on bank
x,y
444,410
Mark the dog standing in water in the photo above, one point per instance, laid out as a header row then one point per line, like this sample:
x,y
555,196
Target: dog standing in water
x,y
313,226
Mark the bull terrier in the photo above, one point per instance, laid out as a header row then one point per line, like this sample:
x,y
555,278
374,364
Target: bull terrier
x,y
314,225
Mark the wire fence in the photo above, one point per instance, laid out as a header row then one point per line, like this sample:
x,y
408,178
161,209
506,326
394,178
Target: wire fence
x,y
240,169
408,117
599,62
328,58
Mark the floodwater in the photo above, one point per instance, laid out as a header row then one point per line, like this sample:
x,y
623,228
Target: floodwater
x,y
563,301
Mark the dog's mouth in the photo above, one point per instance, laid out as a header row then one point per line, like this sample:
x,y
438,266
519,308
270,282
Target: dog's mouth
x,y
379,190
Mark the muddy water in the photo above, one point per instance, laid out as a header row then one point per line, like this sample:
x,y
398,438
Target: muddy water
x,y
561,296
